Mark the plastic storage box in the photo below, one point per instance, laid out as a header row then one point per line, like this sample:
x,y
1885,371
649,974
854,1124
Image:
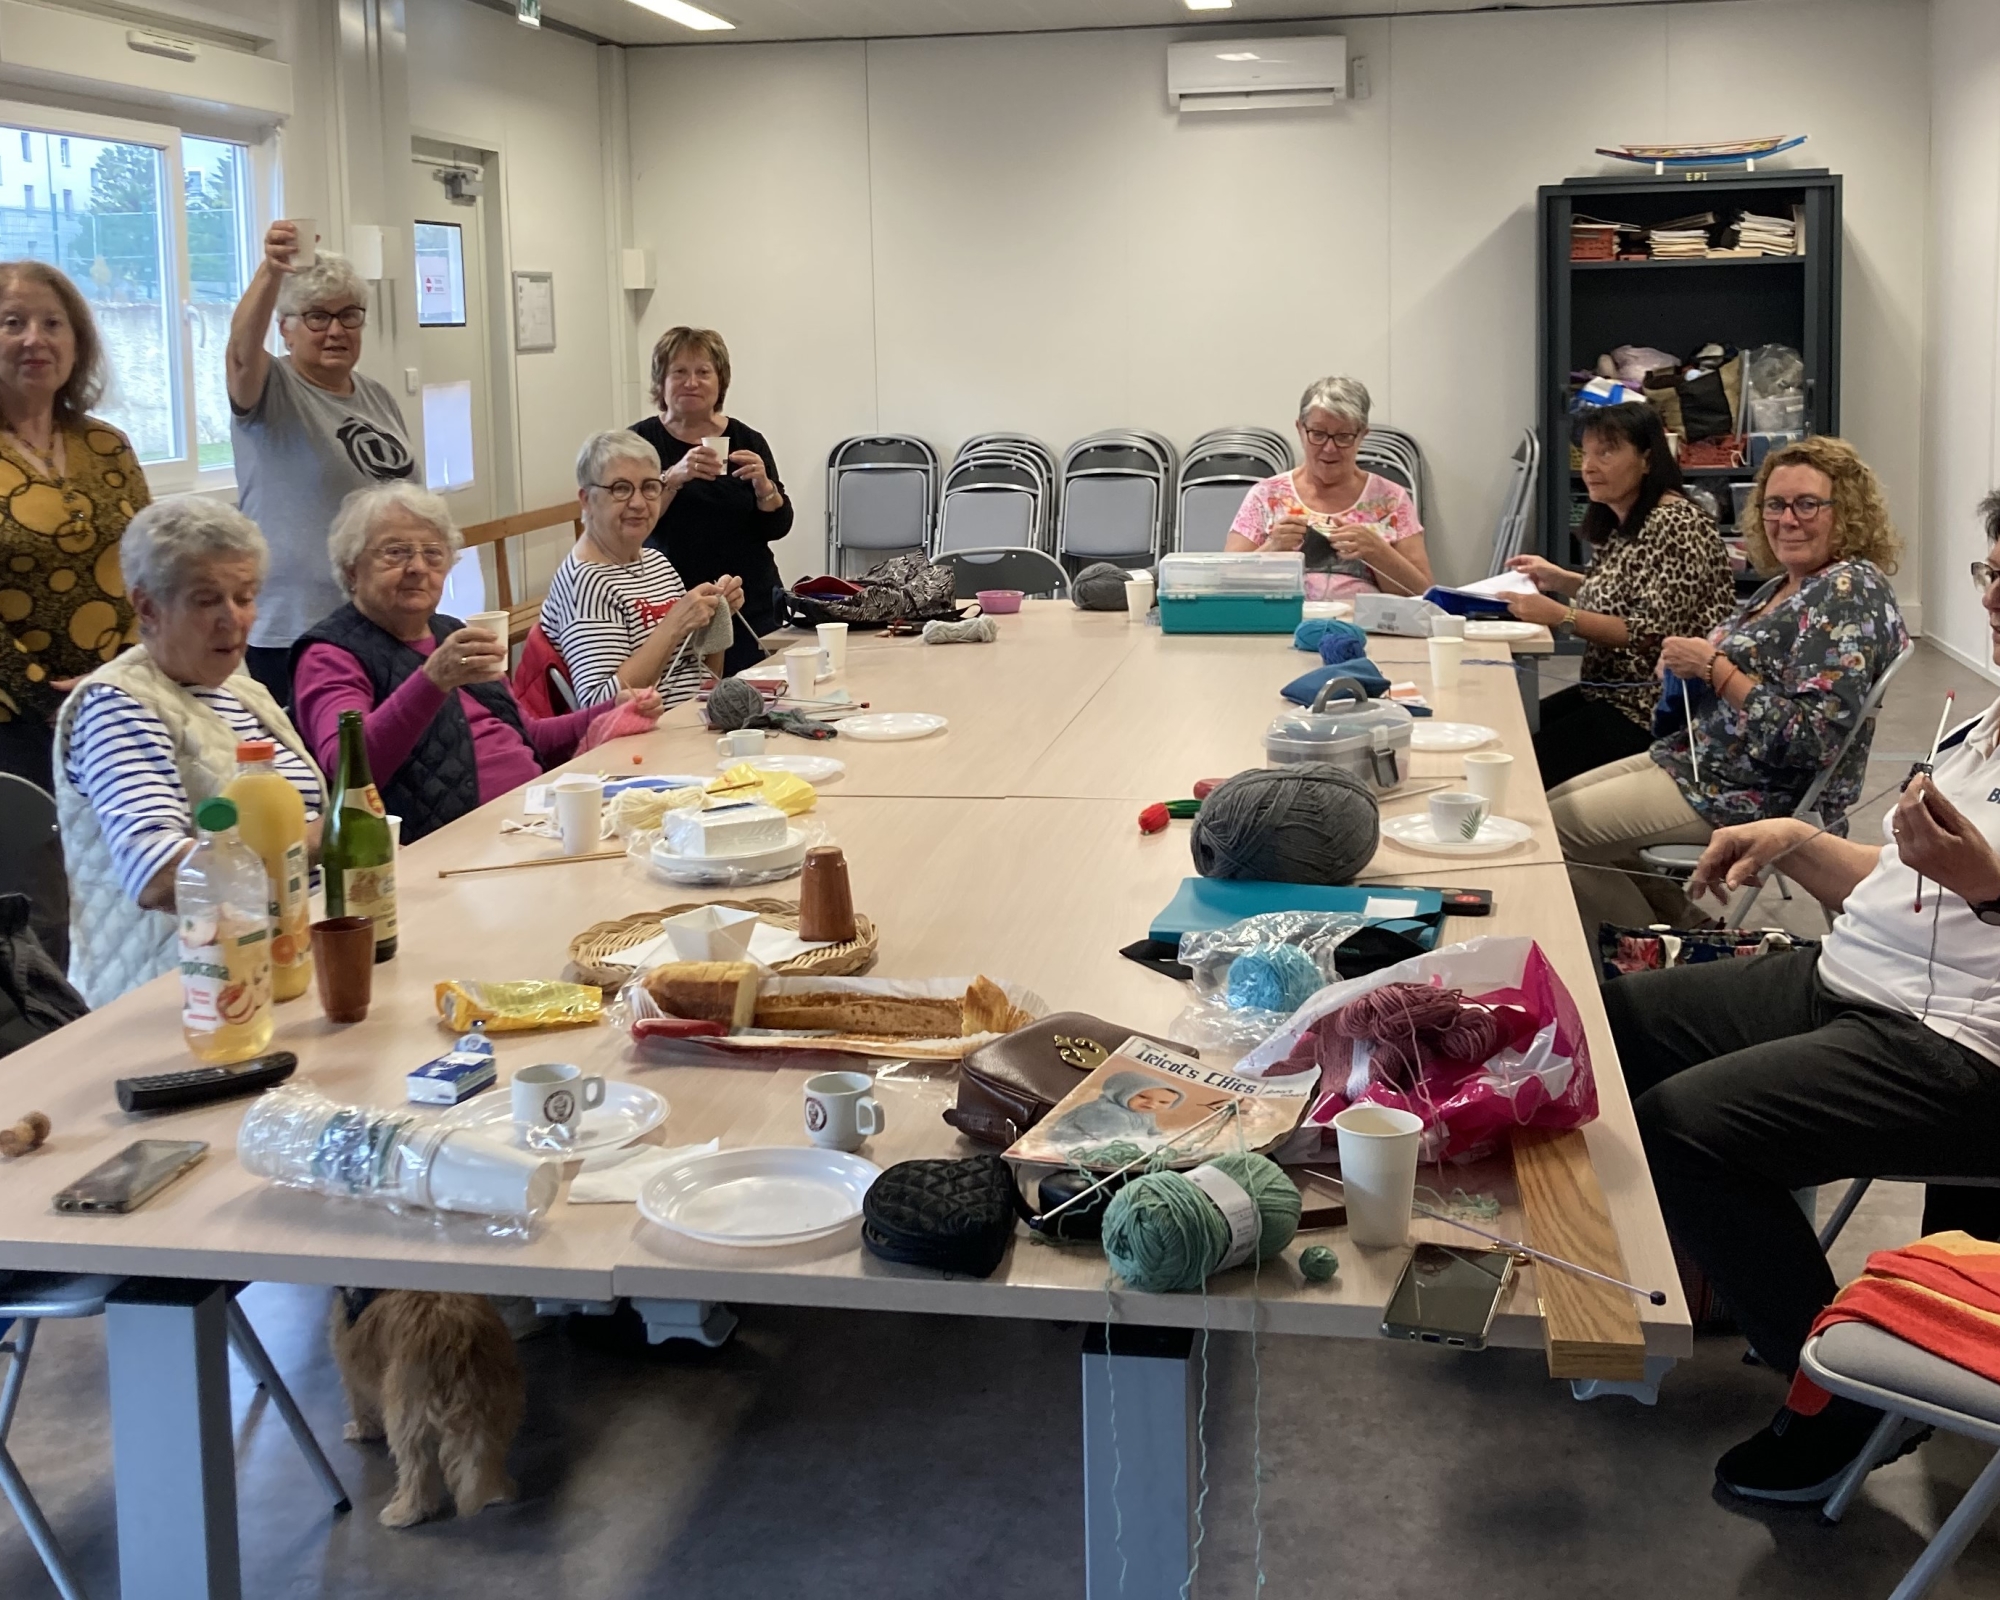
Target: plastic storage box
x,y
1232,592
1344,728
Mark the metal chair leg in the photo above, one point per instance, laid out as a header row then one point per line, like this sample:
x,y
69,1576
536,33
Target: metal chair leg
x,y
1863,1464
1965,1520
40,1534
20,1347
1841,1212
251,1352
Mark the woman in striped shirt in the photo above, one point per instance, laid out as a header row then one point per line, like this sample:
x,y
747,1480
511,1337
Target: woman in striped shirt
x,y
617,611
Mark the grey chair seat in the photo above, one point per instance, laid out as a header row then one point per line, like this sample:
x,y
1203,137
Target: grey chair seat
x,y
1859,1355
53,1294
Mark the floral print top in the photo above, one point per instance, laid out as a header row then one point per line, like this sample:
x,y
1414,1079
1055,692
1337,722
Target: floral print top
x,y
1382,505
1815,657
62,593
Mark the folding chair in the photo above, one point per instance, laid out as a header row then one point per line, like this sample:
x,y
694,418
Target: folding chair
x,y
28,1299
1393,454
1859,1188
1220,468
1861,1362
1033,572
881,496
1517,507
1000,490
31,861
1114,499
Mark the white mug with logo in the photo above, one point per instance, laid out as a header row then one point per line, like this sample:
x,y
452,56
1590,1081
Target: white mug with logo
x,y
841,1111
740,743
554,1095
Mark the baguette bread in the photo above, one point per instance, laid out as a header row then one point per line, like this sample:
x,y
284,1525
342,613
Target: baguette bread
x,y
707,991
864,1016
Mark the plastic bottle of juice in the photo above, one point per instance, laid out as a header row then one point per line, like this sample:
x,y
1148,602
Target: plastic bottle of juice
x,y
271,817
220,897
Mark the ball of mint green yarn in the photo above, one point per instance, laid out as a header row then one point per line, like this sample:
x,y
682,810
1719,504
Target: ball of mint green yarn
x,y
1163,1235
1318,1263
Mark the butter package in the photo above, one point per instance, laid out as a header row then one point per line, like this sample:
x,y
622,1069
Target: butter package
x,y
457,1075
725,830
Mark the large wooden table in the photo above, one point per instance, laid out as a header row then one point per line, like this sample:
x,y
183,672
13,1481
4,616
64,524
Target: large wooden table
x,y
1006,846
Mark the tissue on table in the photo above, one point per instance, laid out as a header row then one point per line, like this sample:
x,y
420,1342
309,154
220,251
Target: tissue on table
x,y
725,830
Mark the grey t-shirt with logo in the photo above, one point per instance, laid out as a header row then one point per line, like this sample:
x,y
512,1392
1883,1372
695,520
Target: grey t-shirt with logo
x,y
299,452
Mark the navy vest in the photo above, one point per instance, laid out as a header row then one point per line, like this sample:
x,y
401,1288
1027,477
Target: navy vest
x,y
439,783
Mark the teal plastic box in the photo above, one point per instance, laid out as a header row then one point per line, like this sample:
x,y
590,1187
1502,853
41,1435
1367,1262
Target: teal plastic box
x,y
1231,613
1232,592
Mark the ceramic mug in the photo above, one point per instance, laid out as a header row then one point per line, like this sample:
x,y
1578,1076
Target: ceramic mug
x,y
1457,816
554,1095
841,1111
740,743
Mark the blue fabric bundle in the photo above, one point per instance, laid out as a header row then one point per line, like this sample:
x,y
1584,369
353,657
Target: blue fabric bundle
x,y
1334,640
1300,690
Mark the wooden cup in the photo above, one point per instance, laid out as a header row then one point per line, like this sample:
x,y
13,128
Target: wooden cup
x,y
344,963
826,903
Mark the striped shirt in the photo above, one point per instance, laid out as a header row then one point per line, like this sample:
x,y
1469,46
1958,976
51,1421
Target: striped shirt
x,y
121,759
596,615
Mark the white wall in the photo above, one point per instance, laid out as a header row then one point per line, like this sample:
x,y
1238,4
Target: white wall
x,y
1962,363
945,236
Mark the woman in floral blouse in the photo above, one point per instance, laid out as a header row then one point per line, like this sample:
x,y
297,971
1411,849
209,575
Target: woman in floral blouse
x,y
1776,688
1657,569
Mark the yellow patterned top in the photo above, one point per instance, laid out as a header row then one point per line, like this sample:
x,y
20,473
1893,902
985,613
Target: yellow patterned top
x,y
62,595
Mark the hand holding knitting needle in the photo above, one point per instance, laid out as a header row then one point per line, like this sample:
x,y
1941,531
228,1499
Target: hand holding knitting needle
x,y
1938,841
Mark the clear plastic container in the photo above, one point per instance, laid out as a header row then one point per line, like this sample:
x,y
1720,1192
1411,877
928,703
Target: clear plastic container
x,y
1369,738
271,816
222,899
1235,572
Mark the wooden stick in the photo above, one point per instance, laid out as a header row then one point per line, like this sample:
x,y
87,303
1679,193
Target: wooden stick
x,y
537,861
1224,1112
1937,739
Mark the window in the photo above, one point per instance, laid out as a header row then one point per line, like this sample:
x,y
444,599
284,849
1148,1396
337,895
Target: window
x,y
440,250
159,241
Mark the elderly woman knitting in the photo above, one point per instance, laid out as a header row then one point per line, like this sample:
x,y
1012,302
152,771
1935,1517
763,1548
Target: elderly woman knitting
x,y
1359,532
443,729
154,731
307,429
1773,691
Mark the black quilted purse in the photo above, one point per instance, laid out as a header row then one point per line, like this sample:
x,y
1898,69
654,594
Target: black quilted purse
x,y
954,1216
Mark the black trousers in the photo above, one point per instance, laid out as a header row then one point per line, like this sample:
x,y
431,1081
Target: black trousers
x,y
1578,735
272,667
1751,1079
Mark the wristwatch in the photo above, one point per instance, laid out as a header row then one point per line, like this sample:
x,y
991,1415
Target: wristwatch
x,y
1987,911
1566,629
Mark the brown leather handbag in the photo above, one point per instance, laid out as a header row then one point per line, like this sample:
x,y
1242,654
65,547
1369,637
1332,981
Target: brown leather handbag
x,y
1006,1087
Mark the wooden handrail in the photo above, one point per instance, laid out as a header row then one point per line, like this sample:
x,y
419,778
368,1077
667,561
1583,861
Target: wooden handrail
x,y
519,525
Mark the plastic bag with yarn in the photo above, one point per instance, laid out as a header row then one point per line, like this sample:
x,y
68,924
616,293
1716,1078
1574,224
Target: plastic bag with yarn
x,y
1251,975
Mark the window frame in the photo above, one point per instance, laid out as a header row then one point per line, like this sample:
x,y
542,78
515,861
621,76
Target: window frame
x,y
182,474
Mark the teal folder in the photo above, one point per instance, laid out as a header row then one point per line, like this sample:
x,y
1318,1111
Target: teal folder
x,y
1203,903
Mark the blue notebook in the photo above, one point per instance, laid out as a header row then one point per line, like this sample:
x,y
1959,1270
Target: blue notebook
x,y
1203,903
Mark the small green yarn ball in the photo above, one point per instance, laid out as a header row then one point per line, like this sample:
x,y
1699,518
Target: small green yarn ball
x,y
1318,1263
1163,1235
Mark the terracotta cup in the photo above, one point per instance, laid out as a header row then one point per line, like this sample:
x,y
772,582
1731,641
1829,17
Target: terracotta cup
x,y
826,903
344,964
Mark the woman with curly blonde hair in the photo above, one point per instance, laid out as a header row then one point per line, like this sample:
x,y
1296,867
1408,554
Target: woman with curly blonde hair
x,y
1774,690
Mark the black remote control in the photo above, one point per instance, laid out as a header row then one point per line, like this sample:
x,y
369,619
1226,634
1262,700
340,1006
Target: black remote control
x,y
176,1091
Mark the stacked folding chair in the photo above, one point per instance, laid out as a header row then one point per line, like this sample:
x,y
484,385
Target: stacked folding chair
x,y
1000,493
881,497
1216,474
1115,501
1390,453
1510,534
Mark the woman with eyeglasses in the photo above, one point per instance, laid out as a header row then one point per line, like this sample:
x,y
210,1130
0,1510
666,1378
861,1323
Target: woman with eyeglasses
x,y
444,731
1358,530
1775,689
617,611
307,429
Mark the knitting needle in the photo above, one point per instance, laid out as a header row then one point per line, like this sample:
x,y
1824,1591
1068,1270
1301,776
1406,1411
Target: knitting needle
x,y
1653,1296
1937,739
1228,1110
537,861
1694,756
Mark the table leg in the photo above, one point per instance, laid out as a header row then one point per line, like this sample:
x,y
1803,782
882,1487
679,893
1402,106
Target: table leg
x,y
1528,674
173,1453
1138,1431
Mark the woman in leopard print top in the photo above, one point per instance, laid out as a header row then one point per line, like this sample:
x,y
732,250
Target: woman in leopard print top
x,y
1657,571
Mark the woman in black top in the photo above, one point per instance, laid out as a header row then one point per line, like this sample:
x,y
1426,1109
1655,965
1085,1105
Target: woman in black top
x,y
718,516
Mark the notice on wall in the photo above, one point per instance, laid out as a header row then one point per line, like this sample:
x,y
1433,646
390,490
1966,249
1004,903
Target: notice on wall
x,y
534,311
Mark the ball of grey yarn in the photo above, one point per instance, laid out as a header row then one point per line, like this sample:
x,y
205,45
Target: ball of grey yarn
x,y
1309,823
1099,587
732,704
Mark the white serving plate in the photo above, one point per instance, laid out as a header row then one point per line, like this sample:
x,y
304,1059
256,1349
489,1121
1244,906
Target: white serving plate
x,y
1427,733
1502,630
890,725
1414,832
629,1112
814,769
776,1195
791,853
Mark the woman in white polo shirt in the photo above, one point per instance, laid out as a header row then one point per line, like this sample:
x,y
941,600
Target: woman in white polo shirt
x,y
1877,1054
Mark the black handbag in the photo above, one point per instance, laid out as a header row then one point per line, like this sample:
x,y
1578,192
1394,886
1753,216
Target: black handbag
x,y
953,1216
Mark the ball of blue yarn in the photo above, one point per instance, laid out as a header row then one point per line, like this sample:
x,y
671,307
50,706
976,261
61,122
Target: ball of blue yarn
x,y
1342,641
1280,978
1162,1234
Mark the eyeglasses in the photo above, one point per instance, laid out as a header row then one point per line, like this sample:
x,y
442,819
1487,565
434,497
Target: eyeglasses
x,y
348,317
649,489
433,556
1803,506
1983,575
1319,440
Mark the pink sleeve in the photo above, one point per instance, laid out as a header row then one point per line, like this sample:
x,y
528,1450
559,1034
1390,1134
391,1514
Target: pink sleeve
x,y
554,739
1253,517
330,680
1403,516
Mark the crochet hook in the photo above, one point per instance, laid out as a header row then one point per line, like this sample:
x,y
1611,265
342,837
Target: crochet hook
x,y
1937,739
1139,1160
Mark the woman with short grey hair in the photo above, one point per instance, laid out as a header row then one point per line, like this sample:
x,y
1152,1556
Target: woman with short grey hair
x,y
307,429
1359,532
153,732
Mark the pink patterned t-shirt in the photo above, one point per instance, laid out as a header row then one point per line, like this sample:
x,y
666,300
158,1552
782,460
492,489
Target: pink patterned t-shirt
x,y
1383,505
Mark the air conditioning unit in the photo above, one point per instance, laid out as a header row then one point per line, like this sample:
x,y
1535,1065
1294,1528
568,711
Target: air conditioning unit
x,y
1249,74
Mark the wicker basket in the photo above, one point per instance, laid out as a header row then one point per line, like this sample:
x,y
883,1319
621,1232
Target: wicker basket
x,y
589,948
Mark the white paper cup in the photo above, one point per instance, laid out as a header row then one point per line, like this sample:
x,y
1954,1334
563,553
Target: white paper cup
x,y
470,1172
1447,657
308,252
579,804
1378,1171
841,1110
1486,775
1447,627
721,448
395,832
833,640
1138,596
1458,815
801,669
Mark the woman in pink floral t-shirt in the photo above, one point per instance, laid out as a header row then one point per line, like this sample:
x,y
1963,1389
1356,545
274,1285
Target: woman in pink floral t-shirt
x,y
1359,532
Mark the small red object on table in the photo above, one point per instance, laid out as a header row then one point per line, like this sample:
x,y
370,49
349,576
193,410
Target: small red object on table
x,y
1154,818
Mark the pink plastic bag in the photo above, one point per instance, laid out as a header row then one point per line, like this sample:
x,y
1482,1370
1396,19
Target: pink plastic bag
x,y
1540,1078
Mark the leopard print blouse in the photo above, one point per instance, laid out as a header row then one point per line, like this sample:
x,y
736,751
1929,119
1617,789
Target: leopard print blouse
x,y
1670,579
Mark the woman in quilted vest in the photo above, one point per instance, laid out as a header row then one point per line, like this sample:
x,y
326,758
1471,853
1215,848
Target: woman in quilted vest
x,y
154,731
444,731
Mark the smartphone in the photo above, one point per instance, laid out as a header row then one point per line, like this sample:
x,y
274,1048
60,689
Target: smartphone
x,y
1448,1296
132,1177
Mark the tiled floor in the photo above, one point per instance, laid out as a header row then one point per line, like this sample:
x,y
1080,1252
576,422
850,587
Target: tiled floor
x,y
907,1458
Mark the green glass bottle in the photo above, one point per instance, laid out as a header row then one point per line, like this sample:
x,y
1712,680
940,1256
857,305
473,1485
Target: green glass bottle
x,y
357,857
